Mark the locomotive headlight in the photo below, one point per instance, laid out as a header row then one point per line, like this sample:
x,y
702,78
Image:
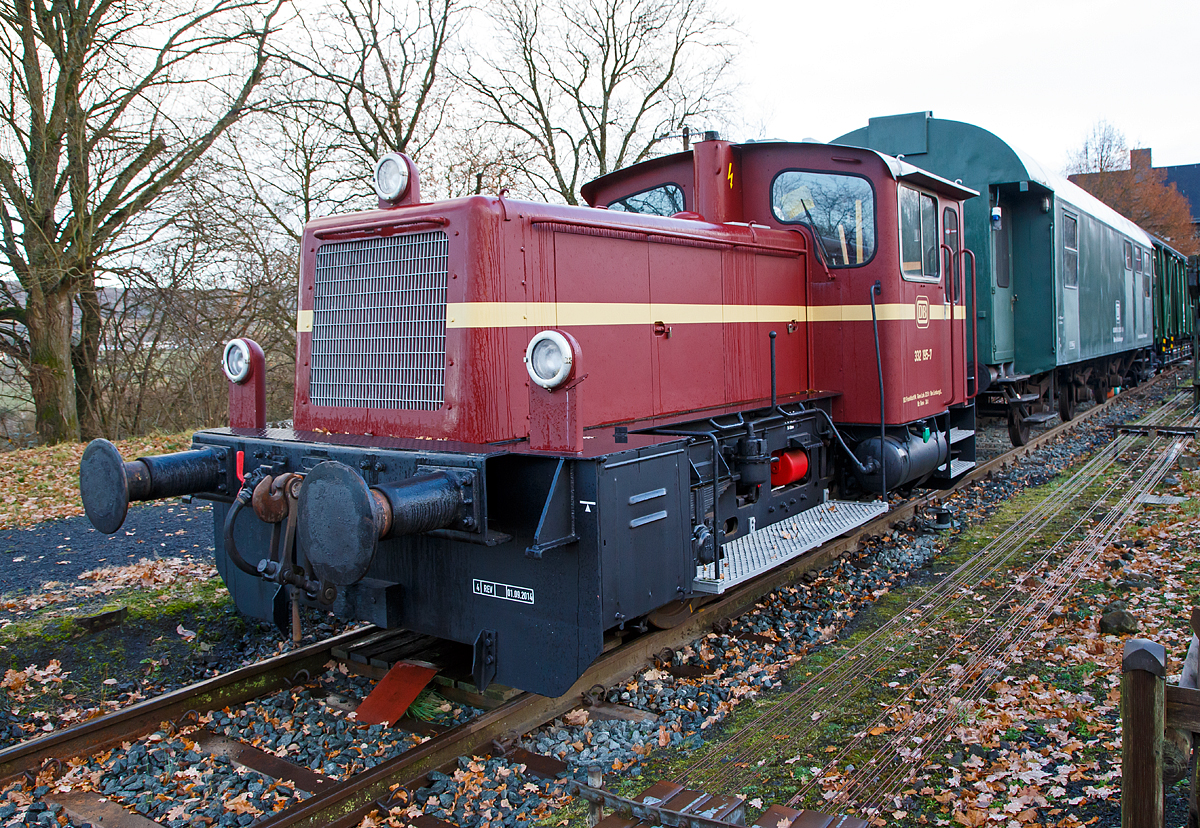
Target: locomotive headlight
x,y
549,359
236,360
391,177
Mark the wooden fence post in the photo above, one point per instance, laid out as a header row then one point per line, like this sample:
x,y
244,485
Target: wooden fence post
x,y
1144,670
595,779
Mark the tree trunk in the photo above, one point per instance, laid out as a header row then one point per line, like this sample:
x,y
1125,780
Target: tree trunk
x,y
83,358
48,318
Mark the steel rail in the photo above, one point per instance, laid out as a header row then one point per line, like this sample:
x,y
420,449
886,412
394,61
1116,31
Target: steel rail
x,y
1036,604
1028,618
144,717
925,713
870,655
348,800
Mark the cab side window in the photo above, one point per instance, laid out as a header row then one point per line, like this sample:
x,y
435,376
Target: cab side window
x,y
919,248
665,200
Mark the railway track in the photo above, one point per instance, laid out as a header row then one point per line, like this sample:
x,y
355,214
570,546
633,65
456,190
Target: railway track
x,y
916,722
345,801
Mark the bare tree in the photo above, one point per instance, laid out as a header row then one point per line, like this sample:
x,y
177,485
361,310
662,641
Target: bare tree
x,y
379,80
1103,150
222,270
110,104
360,79
293,167
467,160
1140,192
590,86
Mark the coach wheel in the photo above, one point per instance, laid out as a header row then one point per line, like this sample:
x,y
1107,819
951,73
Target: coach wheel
x,y
1066,402
1100,393
1018,429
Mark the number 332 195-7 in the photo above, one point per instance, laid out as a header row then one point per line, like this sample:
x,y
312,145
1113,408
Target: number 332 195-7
x,y
922,354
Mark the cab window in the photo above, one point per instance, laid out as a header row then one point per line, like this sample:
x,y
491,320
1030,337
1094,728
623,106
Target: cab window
x,y
918,235
950,228
665,200
839,209
950,239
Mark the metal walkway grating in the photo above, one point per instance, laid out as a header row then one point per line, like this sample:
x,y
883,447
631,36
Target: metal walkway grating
x,y
767,548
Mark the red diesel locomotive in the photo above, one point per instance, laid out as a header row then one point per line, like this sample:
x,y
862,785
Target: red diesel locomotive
x,y
524,426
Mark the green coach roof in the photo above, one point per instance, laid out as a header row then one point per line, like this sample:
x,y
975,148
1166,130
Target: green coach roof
x,y
978,157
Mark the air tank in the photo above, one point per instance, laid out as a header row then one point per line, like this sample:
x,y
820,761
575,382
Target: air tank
x,y
904,456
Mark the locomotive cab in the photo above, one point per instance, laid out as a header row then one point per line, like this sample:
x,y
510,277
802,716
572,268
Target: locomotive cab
x,y
526,427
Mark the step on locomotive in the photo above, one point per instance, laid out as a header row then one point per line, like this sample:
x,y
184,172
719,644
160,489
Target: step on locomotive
x,y
524,426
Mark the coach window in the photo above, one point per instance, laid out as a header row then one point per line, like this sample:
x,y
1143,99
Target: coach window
x,y
1070,250
918,235
1128,256
1146,268
839,209
665,200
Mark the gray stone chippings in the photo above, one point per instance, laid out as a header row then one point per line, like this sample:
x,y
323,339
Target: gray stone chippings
x,y
155,775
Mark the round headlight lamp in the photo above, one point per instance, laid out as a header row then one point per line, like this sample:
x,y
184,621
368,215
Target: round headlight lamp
x,y
391,177
236,360
549,358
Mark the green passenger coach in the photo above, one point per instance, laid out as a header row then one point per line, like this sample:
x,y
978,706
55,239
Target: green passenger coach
x,y
1172,320
1063,282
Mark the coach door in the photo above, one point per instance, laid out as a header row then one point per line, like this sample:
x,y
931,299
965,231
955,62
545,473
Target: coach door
x,y
1003,297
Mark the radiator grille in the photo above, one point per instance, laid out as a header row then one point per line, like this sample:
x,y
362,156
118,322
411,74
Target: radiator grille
x,y
379,323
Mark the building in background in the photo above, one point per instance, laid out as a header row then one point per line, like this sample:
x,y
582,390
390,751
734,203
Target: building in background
x,y
1121,189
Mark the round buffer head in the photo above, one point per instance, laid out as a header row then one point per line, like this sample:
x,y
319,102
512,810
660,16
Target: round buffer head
x,y
336,524
104,486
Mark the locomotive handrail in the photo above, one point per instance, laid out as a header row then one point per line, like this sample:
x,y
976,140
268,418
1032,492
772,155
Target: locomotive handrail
x,y
966,251
878,288
670,234
948,258
325,235
951,294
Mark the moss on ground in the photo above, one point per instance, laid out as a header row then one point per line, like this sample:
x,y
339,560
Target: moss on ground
x,y
164,640
855,712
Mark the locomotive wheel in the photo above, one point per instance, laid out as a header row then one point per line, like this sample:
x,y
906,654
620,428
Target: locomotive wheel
x,y
1066,403
1018,429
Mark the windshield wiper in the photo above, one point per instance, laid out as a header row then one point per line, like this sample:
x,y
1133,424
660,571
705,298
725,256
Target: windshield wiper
x,y
817,243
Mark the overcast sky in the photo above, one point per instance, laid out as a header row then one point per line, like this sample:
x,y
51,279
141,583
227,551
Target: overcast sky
x,y
1038,73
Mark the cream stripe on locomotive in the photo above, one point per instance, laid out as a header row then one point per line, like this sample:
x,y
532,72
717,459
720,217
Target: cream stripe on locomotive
x,y
580,314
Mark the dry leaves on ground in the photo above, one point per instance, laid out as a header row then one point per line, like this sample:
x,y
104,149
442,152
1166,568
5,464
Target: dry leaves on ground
x,y
42,483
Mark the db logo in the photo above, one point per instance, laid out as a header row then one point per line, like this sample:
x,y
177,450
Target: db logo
x,y
922,312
